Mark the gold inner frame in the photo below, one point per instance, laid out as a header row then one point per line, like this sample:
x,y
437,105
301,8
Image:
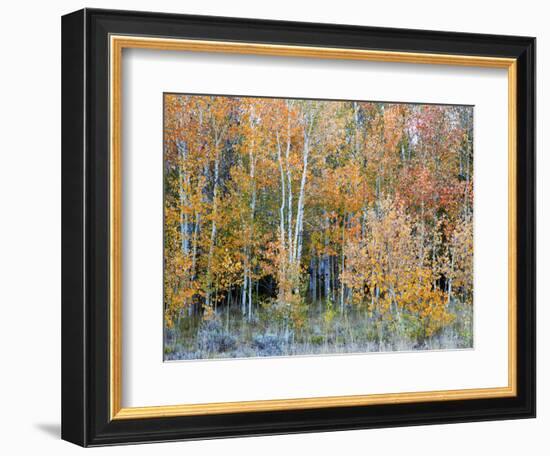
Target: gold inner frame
x,y
116,45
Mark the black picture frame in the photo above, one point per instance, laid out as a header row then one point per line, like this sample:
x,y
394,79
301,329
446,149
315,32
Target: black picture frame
x,y
85,228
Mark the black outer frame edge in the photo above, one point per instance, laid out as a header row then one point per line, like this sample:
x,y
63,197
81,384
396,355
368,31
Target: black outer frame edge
x,y
96,427
526,224
421,40
73,305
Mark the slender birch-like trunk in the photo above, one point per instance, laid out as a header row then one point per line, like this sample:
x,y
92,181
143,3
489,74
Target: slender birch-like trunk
x,y
289,183
214,227
326,261
244,293
301,198
183,187
300,211
283,196
183,180
342,264
450,280
252,159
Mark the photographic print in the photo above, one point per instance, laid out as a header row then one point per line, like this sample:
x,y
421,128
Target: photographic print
x,y
315,227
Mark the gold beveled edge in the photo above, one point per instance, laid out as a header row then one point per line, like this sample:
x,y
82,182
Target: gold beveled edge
x,y
512,227
117,43
115,234
235,47
164,411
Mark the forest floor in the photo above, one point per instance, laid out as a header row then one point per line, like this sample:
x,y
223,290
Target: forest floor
x,y
230,335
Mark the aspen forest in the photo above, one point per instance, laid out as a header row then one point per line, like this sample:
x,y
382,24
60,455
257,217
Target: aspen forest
x,y
306,227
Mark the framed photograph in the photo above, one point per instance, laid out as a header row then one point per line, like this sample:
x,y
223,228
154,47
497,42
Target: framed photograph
x,y
278,227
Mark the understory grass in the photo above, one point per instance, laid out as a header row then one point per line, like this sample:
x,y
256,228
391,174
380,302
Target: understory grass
x,y
232,335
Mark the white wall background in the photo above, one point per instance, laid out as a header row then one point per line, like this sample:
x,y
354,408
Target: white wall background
x,y
30,193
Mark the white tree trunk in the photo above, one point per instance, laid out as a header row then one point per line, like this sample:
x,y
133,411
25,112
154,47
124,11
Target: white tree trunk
x,y
301,199
289,205
252,160
342,265
214,228
183,179
244,294
283,196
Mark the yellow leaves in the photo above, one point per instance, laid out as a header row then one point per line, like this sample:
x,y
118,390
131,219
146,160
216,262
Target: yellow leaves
x,y
394,120
209,313
329,314
385,268
168,320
